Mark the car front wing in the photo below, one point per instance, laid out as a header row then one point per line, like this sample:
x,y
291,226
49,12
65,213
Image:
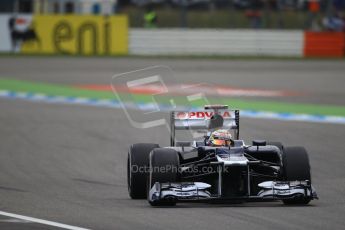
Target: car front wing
x,y
198,192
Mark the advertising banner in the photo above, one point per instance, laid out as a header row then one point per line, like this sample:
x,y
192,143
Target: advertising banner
x,y
65,34
14,29
79,34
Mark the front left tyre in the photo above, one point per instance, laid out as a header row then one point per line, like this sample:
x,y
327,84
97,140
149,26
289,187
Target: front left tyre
x,y
296,167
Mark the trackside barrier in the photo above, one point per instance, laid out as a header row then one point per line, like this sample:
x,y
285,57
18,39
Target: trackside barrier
x,y
100,35
324,44
79,34
236,42
216,42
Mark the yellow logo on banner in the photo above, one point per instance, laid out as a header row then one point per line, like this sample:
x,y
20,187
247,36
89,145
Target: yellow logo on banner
x,y
78,34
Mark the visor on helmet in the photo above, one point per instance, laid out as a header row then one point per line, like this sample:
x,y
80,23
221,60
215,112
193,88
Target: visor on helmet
x,y
220,142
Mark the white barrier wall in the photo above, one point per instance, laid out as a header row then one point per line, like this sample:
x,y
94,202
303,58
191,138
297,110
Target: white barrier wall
x,y
215,42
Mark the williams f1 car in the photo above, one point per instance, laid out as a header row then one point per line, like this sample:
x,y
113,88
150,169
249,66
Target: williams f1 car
x,y
193,171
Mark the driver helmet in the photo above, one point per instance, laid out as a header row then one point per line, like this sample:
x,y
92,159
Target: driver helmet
x,y
220,137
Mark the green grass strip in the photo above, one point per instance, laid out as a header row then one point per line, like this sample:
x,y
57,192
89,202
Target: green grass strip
x,y
68,91
52,89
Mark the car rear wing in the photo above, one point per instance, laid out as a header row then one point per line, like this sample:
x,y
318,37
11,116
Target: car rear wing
x,y
203,120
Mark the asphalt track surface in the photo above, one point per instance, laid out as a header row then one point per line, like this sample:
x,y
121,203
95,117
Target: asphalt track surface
x,y
67,163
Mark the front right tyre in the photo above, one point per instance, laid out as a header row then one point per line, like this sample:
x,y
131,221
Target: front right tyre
x,y
137,169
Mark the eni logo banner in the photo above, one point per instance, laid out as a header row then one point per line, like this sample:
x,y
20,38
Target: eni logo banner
x,y
78,34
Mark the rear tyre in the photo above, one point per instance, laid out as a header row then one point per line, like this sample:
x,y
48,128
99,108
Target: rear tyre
x,y
296,167
164,165
137,169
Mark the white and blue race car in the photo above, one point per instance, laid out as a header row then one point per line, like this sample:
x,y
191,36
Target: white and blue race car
x,y
192,171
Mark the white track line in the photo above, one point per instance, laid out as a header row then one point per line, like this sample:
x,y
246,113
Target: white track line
x,y
40,221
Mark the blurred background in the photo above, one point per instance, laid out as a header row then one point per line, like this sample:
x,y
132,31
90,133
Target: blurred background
x,y
64,136
273,14
298,28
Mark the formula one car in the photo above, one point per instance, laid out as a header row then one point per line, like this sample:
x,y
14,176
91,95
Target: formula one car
x,y
194,171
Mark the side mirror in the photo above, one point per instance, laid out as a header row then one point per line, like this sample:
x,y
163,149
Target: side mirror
x,y
259,143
